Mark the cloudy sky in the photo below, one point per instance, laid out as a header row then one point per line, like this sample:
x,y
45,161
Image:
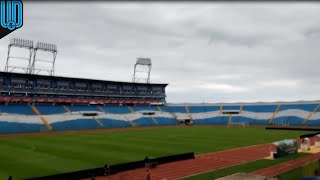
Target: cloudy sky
x,y
207,52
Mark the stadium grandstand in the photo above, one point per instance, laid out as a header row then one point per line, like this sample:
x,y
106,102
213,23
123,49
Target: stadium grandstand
x,y
32,103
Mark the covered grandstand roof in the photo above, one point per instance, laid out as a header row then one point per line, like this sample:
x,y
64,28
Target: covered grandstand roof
x,y
69,78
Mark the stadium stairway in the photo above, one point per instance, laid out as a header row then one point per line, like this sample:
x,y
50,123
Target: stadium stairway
x,y
154,119
46,123
311,114
159,108
66,108
130,109
43,120
98,121
170,111
130,122
230,119
35,110
174,115
101,109
221,109
274,114
188,111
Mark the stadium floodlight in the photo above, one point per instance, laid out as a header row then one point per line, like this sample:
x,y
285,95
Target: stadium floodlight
x,y
45,47
142,62
20,44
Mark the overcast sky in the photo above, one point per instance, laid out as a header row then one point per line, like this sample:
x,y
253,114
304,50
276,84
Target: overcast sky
x,y
207,52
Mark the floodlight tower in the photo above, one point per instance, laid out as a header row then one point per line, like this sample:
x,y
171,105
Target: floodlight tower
x,y
44,47
142,62
20,44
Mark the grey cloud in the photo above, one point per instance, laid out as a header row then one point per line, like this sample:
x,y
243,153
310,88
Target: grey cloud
x,y
312,31
212,52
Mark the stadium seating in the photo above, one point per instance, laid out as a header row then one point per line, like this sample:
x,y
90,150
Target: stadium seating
x,y
200,109
16,109
77,124
166,121
288,120
231,107
313,123
82,108
305,107
212,121
240,119
145,108
116,109
16,118
175,109
15,127
110,123
144,121
250,121
259,108
47,109
165,109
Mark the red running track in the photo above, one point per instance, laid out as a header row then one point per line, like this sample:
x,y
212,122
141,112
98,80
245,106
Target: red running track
x,y
201,164
286,166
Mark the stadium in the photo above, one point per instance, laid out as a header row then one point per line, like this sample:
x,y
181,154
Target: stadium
x,y
55,127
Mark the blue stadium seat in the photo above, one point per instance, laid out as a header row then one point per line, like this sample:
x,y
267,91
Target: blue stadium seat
x,y
165,109
259,108
117,109
77,124
145,108
76,108
145,121
47,109
306,107
16,109
176,109
241,119
14,127
289,120
110,123
162,121
199,109
212,121
313,122
227,107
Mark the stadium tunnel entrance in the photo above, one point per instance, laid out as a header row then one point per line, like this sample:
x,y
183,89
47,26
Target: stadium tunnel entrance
x,y
187,122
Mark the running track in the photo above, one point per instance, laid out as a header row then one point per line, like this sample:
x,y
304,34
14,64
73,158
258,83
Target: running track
x,y
201,164
286,166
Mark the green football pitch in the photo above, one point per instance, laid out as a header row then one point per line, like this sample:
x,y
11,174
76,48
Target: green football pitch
x,y
33,156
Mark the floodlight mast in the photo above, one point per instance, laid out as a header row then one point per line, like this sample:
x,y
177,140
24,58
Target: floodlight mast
x,y
22,44
142,62
44,47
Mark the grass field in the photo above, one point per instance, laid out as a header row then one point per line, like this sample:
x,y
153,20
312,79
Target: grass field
x,y
25,157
